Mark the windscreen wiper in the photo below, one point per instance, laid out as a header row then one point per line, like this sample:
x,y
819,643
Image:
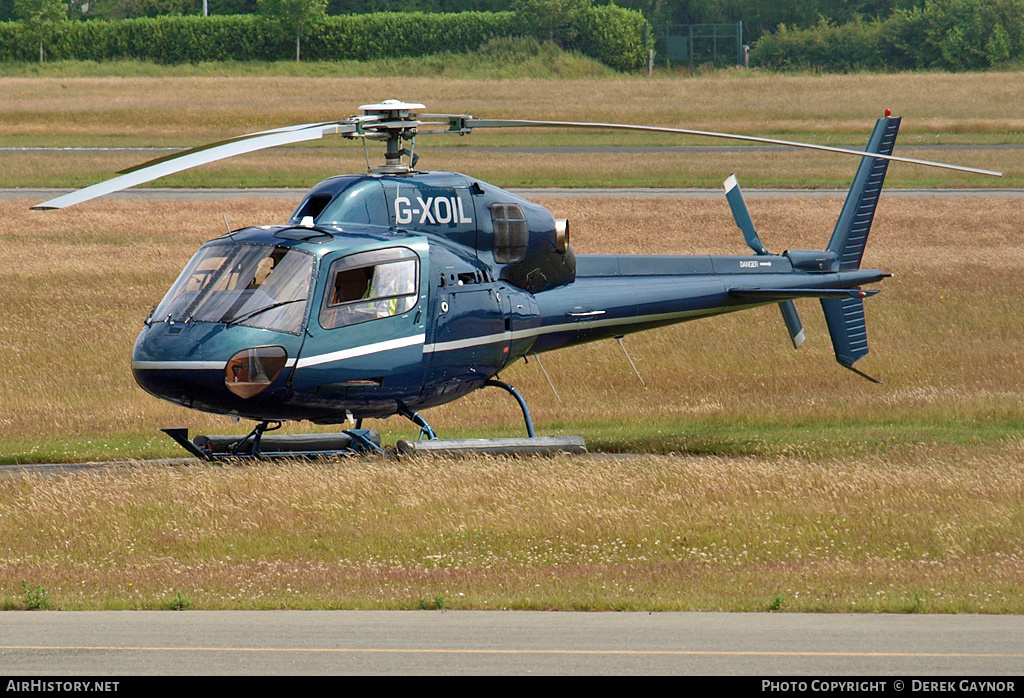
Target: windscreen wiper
x,y
240,318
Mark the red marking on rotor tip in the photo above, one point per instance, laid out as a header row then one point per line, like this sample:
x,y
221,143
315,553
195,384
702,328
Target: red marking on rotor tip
x,y
888,112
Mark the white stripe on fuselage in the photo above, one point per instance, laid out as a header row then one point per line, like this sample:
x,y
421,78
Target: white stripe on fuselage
x,y
302,362
375,348
179,365
453,345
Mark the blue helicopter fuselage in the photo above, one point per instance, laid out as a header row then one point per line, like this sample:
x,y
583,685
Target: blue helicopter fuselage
x,y
389,291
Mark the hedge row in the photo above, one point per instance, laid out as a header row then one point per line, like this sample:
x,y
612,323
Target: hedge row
x,y
615,36
610,34
947,34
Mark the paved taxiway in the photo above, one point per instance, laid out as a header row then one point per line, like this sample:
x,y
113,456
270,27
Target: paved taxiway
x,y
507,642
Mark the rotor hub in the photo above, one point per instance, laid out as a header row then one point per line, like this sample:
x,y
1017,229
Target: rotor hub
x,y
391,109
393,120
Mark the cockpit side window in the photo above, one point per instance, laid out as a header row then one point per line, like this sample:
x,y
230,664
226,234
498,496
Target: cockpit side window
x,y
370,285
511,235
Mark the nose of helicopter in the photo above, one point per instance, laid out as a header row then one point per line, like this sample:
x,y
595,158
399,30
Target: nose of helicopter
x,y
167,361
209,366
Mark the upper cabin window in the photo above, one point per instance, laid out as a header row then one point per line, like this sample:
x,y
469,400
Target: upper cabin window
x,y
360,203
312,206
511,235
370,285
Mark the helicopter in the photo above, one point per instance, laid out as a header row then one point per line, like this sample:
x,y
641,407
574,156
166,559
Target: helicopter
x,y
396,290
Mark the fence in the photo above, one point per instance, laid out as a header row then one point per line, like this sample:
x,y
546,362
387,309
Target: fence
x,y
694,45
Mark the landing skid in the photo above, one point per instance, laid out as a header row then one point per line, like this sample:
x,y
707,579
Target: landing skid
x,y
533,445
258,444
536,445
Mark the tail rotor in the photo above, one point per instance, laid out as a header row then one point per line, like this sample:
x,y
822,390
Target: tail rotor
x,y
742,217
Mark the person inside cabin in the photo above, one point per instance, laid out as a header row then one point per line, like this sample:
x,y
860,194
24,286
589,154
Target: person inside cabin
x,y
389,282
386,289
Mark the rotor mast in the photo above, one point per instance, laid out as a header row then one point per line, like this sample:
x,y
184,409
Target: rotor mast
x,y
393,120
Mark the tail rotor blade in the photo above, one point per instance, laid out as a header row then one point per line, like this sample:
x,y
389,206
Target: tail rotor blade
x,y
793,324
742,216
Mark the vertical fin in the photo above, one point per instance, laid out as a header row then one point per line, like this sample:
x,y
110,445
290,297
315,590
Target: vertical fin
x,y
849,332
851,232
845,316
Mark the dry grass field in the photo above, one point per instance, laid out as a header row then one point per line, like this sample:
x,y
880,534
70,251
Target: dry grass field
x,y
922,532
187,110
773,478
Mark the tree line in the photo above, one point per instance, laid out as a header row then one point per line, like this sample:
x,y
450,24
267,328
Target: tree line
x,y
804,34
758,16
943,34
613,35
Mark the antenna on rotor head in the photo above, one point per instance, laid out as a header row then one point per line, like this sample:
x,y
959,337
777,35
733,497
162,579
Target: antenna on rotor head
x,y
392,120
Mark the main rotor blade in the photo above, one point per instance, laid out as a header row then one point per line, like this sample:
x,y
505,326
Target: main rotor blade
x,y
514,123
226,141
161,167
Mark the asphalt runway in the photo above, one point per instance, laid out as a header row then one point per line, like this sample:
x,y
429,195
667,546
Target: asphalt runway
x,y
901,647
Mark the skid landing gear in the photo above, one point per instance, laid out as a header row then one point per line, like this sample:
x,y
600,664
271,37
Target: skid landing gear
x,y
415,417
259,444
256,444
522,404
532,445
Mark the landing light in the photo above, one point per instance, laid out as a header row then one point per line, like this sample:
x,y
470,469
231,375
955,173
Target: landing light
x,y
251,371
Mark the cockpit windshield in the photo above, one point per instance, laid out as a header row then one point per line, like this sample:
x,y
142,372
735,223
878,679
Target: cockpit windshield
x,y
242,284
